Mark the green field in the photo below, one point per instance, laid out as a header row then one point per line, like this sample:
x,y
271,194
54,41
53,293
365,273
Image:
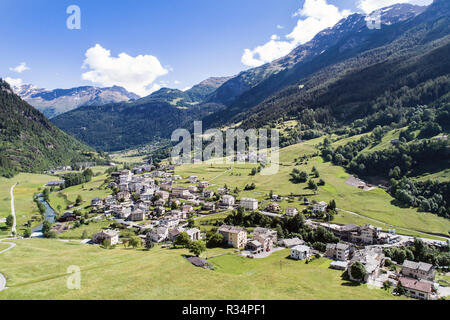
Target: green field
x,y
23,195
4,246
36,269
129,156
29,184
91,229
370,205
88,191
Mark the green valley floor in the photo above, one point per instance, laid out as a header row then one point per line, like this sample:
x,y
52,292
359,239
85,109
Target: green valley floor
x,y
37,269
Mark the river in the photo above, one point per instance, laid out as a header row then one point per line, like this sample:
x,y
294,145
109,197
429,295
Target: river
x,y
49,216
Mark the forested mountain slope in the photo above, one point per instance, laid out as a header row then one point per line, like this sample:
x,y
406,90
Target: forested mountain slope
x,y
29,142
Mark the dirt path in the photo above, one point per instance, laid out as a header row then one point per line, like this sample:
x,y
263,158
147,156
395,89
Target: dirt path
x,y
13,210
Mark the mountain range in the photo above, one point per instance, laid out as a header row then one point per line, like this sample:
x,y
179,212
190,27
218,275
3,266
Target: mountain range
x,y
347,72
119,126
29,142
54,102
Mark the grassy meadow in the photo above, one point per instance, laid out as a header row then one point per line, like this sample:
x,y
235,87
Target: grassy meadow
x,y
88,191
28,184
92,228
375,207
138,274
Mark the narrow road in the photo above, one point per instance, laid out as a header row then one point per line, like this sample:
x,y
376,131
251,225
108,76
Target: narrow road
x,y
2,277
2,282
13,211
11,245
13,231
390,225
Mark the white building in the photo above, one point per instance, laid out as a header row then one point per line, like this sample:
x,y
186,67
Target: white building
x,y
291,211
111,236
300,252
170,222
342,252
193,179
194,234
159,234
228,200
319,207
249,203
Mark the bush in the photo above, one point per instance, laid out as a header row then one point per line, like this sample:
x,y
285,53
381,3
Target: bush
x,y
320,246
10,221
197,247
27,233
183,240
214,240
358,271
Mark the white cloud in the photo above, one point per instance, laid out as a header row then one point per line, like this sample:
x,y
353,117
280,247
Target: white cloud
x,y
20,68
316,15
280,27
176,82
368,6
163,84
14,82
270,51
136,74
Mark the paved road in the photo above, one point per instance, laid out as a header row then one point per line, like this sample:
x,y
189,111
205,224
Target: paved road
x,y
2,277
395,227
13,210
271,214
2,282
11,245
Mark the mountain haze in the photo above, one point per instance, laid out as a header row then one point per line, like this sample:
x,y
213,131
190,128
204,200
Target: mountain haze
x,y
54,102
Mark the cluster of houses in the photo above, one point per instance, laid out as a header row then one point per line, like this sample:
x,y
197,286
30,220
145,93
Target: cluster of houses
x,y
364,235
148,201
416,277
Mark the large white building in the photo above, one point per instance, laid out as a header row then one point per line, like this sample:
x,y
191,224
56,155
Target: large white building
x,y
249,203
111,236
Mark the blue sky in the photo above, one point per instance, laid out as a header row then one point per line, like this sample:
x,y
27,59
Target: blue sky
x,y
175,43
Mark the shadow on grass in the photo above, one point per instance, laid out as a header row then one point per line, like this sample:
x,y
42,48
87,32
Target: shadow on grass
x,y
347,282
399,204
351,284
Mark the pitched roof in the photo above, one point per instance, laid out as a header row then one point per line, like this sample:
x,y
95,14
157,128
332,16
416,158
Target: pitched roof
x,y
292,242
256,243
349,227
415,284
342,246
196,261
301,248
231,229
417,265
